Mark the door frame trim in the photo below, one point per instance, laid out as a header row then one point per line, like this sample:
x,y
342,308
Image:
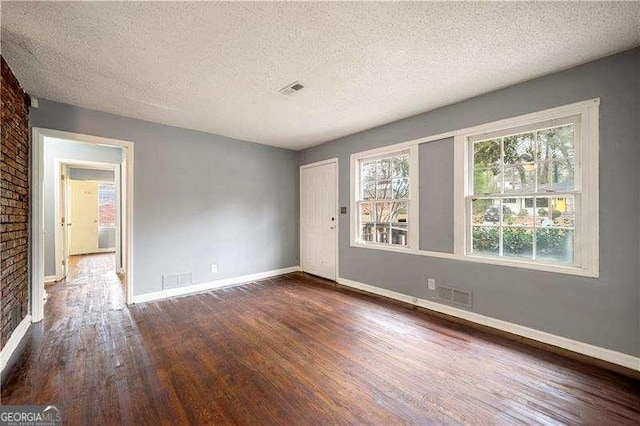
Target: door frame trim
x,y
336,209
37,213
59,236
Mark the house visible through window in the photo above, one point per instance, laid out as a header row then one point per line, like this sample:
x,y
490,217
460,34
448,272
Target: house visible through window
x,y
107,205
384,197
524,197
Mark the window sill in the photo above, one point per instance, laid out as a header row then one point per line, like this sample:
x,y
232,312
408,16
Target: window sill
x,y
545,267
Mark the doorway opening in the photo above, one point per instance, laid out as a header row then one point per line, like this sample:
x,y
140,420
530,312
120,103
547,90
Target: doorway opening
x,y
87,203
82,213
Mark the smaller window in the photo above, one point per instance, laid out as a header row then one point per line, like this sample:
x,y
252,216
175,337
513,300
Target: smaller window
x,y
383,199
107,205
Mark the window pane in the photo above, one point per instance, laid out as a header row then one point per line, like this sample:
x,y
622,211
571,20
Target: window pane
x,y
381,233
556,143
391,222
554,245
487,211
554,212
367,213
399,234
367,221
486,154
400,166
107,205
556,175
368,172
368,191
517,242
518,149
400,188
487,181
391,212
383,189
486,240
520,178
518,211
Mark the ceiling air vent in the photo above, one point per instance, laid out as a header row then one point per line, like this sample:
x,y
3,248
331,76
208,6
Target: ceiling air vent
x,y
291,88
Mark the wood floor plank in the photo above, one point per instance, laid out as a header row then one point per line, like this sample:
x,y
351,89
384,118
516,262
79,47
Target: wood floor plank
x,y
290,350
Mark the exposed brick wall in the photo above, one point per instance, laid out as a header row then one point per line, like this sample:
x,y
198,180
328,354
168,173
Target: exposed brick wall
x,y
14,204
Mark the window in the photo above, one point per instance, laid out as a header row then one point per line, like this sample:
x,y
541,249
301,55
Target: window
x,y
530,192
107,205
383,200
525,193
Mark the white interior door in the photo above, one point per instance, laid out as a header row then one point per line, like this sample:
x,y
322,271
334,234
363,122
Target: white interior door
x,y
83,218
318,219
63,203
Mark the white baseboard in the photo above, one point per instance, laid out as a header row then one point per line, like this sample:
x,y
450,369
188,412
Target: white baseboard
x,y
50,278
14,341
180,291
593,351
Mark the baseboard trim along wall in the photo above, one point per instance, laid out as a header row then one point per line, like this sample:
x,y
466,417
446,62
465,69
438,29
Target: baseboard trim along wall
x,y
14,341
181,291
49,278
587,349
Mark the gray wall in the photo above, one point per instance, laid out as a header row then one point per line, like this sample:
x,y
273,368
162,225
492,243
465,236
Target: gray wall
x,y
436,199
60,149
107,238
603,311
77,173
199,198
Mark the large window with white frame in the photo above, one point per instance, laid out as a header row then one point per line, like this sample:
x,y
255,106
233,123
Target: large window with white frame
x,y
529,192
383,199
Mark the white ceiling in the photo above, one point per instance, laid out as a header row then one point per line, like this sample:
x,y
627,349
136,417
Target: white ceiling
x,y
217,67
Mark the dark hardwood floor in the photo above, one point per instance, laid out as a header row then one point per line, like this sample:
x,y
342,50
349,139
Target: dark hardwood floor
x,y
290,350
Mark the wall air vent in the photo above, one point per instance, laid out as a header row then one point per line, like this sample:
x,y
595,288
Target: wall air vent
x,y
169,281
289,89
173,281
454,295
185,279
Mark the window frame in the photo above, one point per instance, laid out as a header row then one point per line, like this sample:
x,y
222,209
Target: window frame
x,y
587,223
576,192
586,235
413,226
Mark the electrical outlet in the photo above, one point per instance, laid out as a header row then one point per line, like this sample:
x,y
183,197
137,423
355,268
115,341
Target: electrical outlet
x,y
431,283
214,268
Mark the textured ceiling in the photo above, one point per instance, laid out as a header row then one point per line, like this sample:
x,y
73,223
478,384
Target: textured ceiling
x,y
217,67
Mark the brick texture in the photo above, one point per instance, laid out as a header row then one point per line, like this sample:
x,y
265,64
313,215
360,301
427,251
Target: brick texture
x,y
14,204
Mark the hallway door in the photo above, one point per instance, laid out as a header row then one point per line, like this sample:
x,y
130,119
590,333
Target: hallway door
x,y
83,220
